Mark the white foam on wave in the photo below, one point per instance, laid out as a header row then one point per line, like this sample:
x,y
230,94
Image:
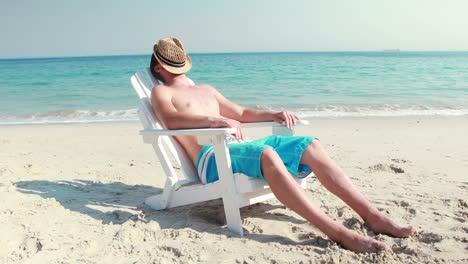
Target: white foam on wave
x,y
384,110
72,116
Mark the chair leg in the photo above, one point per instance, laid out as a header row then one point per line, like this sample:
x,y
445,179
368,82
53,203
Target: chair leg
x,y
233,218
161,201
228,185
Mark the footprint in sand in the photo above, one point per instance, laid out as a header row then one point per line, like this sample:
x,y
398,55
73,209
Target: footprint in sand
x,y
404,248
460,229
407,207
461,204
463,215
400,160
429,237
297,229
460,207
30,246
463,185
387,168
302,234
170,250
321,242
251,227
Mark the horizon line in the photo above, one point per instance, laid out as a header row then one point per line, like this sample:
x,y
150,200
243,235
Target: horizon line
x,y
233,52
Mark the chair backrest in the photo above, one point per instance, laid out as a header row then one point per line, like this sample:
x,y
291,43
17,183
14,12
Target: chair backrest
x,y
151,121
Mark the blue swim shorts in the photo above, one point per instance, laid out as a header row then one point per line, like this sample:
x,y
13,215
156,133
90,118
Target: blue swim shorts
x,y
245,156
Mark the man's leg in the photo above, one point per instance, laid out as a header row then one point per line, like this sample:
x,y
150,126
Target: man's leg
x,y
336,181
291,194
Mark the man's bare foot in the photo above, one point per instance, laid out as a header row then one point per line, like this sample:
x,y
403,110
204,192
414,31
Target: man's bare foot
x,y
362,244
382,224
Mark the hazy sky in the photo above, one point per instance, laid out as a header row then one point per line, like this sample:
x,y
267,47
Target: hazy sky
x,y
50,28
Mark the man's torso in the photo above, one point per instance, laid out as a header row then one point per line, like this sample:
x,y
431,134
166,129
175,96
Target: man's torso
x,y
196,100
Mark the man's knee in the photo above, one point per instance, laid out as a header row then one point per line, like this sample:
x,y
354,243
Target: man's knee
x,y
315,145
270,158
270,161
313,152
269,154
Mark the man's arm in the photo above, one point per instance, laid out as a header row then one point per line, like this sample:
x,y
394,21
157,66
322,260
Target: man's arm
x,y
234,111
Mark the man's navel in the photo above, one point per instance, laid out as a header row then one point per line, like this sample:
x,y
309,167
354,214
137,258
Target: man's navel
x,y
187,104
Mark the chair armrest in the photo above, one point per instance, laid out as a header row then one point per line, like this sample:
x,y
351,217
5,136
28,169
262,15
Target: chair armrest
x,y
207,136
210,131
272,124
188,132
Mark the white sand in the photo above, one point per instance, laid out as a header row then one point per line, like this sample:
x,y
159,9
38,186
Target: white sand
x,y
74,194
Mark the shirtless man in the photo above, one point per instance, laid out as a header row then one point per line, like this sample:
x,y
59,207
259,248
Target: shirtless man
x,y
182,105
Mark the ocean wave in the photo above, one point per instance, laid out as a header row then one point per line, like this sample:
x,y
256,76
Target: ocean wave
x,y
384,110
72,116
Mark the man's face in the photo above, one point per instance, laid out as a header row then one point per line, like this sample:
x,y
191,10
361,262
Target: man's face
x,y
158,68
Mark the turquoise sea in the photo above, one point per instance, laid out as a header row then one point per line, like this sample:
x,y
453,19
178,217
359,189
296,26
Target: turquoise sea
x,y
310,84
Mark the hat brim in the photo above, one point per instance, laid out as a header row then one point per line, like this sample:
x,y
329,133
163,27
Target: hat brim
x,y
172,69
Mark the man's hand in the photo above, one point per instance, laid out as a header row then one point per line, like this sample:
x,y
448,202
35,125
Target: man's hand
x,y
226,122
285,118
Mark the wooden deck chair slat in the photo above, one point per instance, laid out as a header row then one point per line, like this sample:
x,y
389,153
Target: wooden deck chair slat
x,y
178,154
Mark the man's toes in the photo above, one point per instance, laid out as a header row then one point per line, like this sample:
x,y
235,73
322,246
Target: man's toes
x,y
406,231
410,231
379,246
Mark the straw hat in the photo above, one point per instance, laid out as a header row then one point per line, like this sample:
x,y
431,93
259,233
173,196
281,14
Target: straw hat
x,y
170,53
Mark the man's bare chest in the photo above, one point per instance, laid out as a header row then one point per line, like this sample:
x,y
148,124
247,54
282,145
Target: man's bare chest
x,y
195,101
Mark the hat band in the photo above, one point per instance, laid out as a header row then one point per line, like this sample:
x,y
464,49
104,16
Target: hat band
x,y
169,62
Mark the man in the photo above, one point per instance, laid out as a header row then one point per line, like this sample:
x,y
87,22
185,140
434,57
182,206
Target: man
x,y
182,105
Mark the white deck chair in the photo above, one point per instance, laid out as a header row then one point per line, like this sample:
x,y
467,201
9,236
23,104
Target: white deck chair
x,y
236,190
